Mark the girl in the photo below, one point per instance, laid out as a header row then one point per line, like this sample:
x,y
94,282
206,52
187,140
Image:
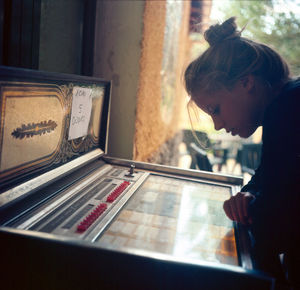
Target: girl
x,y
242,85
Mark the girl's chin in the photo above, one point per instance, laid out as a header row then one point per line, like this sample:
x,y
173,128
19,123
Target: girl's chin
x,y
245,133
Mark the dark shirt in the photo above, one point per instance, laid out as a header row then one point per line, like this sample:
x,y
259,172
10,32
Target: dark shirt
x,y
276,183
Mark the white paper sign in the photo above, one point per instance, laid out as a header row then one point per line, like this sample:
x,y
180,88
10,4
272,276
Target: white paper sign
x,y
81,112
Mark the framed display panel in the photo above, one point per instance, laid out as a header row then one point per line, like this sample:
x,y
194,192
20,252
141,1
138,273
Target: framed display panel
x,y
48,119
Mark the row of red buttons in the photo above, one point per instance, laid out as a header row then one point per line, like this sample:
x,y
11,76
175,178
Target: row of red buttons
x,y
85,224
114,195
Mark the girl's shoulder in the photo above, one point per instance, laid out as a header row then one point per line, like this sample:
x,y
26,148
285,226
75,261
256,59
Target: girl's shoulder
x,y
289,98
284,110
291,87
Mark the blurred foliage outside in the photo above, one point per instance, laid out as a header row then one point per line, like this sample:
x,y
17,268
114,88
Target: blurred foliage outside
x,y
273,22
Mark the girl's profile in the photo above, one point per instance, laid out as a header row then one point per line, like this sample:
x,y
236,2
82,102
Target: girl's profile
x,y
243,84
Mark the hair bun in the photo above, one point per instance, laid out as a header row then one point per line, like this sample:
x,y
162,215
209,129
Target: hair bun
x,y
219,32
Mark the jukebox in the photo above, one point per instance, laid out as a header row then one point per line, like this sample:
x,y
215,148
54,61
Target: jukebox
x,y
73,217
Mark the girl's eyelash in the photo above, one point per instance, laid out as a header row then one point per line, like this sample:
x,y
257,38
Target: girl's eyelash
x,y
213,110
216,110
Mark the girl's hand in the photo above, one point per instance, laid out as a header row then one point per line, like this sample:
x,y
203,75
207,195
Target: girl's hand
x,y
237,207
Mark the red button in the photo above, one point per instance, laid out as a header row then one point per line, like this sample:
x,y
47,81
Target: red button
x,y
116,193
86,223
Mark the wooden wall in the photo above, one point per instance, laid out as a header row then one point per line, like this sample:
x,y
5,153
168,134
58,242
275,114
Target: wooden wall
x,y
155,124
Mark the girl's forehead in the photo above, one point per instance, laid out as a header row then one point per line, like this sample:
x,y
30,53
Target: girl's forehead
x,y
203,101
205,98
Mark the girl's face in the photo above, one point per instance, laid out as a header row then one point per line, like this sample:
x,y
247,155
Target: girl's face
x,y
237,111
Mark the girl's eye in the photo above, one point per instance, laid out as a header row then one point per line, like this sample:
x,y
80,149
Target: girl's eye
x,y
217,110
214,110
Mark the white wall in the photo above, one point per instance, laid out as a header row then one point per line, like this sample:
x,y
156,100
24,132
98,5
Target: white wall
x,y
119,27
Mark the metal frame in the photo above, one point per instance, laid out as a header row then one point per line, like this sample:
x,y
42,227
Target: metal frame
x,y
228,179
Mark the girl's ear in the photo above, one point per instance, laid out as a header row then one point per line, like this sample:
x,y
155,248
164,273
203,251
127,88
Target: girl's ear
x,y
248,83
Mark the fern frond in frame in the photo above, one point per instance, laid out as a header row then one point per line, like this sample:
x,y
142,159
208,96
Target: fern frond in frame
x,y
34,129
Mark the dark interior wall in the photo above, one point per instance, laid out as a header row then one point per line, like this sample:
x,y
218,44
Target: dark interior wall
x,y
1,30
20,22
61,35
48,35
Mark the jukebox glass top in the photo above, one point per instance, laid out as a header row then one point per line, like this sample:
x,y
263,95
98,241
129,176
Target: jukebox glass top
x,y
178,217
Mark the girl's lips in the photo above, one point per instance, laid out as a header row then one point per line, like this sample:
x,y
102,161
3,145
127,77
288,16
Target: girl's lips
x,y
233,131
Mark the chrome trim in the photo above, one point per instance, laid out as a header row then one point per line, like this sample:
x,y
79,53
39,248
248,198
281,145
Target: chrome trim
x,y
108,118
34,219
231,179
52,175
244,245
193,179
242,240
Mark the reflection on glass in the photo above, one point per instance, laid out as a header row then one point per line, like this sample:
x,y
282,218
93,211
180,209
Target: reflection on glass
x,y
174,11
181,218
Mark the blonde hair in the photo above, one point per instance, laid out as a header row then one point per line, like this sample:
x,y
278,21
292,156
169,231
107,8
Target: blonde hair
x,y
231,57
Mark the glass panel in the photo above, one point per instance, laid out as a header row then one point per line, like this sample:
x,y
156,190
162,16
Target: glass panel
x,y
170,55
178,217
